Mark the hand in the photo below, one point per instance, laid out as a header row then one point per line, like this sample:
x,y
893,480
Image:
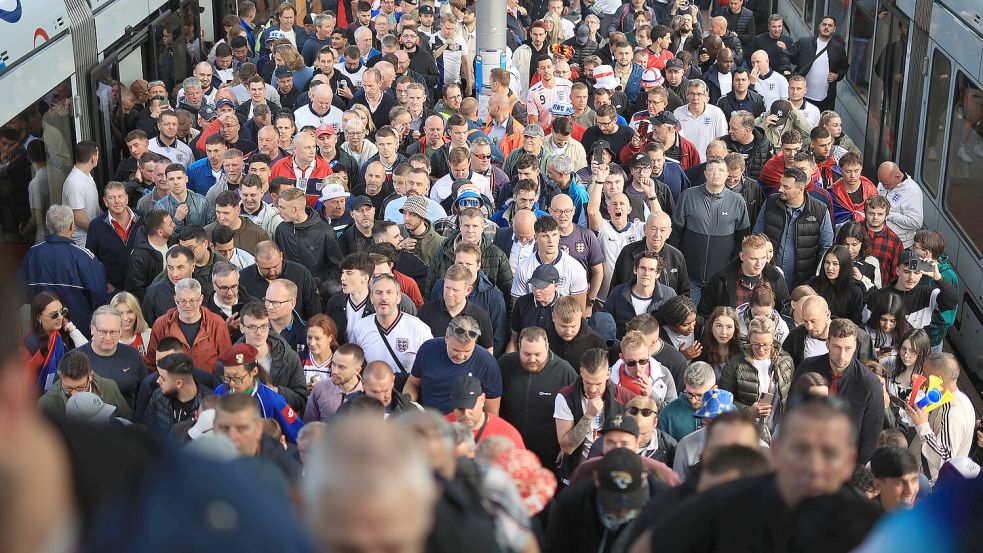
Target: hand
x,y
979,438
521,10
600,172
936,275
754,74
856,274
692,352
310,387
648,186
644,383
181,212
595,406
781,44
234,322
832,77
771,120
415,135
589,310
917,415
408,244
69,327
345,93
704,58
760,410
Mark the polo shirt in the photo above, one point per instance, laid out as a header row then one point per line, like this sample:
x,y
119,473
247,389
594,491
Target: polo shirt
x,y
435,314
573,275
437,372
702,129
528,312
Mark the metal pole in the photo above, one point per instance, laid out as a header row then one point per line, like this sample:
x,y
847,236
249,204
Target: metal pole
x,y
491,49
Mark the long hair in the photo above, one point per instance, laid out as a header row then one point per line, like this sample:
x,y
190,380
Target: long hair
x,y
38,305
858,232
711,348
131,301
888,304
922,344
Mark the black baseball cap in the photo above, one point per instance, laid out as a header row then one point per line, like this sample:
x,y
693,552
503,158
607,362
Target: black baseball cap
x,y
605,145
675,63
543,276
360,201
465,391
782,109
621,423
621,481
426,10
665,117
641,160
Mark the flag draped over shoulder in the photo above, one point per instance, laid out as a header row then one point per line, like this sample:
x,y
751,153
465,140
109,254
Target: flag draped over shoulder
x,y
43,368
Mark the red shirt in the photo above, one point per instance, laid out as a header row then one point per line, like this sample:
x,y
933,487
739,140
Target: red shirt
x,y
494,426
123,233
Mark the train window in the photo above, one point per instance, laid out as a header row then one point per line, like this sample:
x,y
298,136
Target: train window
x,y
35,148
886,81
841,11
860,45
178,45
938,111
799,6
963,194
809,13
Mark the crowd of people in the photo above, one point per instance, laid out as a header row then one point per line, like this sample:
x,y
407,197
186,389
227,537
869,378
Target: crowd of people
x,y
646,301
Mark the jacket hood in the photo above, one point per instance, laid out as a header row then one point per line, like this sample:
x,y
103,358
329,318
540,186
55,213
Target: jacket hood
x,y
484,284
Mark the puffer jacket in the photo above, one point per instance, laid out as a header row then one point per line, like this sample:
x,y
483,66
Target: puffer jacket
x,y
286,372
742,23
756,154
740,377
494,263
158,418
144,265
313,245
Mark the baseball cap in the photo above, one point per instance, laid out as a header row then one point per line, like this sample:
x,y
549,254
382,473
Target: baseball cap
x,y
533,130
207,113
621,423
333,191
675,63
417,205
621,481
238,354
665,118
907,256
958,469
282,72
360,201
604,77
308,19
88,407
465,391
224,102
324,129
641,160
543,276
605,145
652,78
275,35
716,402
203,425
781,108
426,10
583,34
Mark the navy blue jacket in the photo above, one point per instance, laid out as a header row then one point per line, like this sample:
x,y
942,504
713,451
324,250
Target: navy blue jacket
x,y
110,249
57,265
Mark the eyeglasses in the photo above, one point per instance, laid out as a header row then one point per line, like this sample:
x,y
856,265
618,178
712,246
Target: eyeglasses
x,y
256,328
636,362
55,315
692,395
107,333
187,302
761,347
635,411
562,211
275,303
461,331
70,389
234,379
227,288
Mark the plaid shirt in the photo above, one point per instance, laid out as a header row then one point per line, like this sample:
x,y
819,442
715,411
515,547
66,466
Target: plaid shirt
x,y
886,247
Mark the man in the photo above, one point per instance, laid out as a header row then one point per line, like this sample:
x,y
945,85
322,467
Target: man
x,y
281,303
271,265
689,451
329,394
468,404
441,360
228,297
232,174
352,304
583,407
771,85
708,243
851,381
798,226
320,111
178,397
166,143
800,480
79,191
286,372
494,263
885,245
305,166
390,330
532,145
75,375
438,313
741,97
185,207
317,40
60,266
719,77
638,371
110,359
535,308
306,238
809,338
608,130
673,273
924,302
572,279
146,259
744,138
643,294
851,191
503,129
823,62
677,418
895,473
699,121
251,193
239,417
732,286
773,42
906,215
203,333
796,97
112,237
358,235
204,173
245,233
374,97
569,334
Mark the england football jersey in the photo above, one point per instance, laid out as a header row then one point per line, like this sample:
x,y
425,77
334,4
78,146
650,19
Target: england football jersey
x,y
573,276
404,337
541,99
612,242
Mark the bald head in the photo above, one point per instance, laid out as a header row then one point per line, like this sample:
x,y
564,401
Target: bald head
x,y
816,317
523,222
561,202
760,60
890,175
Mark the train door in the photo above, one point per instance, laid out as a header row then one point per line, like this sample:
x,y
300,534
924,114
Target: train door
x,y
886,89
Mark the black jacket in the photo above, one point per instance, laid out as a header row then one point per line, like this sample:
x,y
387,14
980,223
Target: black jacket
x,y
286,372
741,23
143,266
794,344
158,417
351,240
754,196
313,245
572,351
756,154
803,55
672,272
574,524
308,301
722,288
102,240
728,103
620,307
862,391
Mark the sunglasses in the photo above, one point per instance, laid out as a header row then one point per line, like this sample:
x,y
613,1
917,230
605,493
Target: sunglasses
x,y
55,315
636,362
635,411
483,157
461,331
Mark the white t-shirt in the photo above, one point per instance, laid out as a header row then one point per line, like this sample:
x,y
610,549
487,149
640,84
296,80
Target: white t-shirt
x,y
520,253
444,185
561,411
178,152
305,116
405,337
726,81
573,276
80,192
764,379
813,348
640,305
540,99
817,79
775,87
612,241
701,129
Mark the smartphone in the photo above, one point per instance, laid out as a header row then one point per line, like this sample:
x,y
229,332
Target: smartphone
x,y
599,155
342,84
925,267
766,398
236,309
644,130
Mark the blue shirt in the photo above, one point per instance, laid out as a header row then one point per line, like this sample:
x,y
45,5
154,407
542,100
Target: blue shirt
x,y
437,372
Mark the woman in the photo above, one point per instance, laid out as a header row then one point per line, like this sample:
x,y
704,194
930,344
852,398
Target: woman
x,y
762,303
366,115
721,338
835,283
679,326
866,268
322,340
810,384
841,142
911,358
250,378
289,56
887,324
652,442
554,28
762,371
136,331
286,128
51,335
